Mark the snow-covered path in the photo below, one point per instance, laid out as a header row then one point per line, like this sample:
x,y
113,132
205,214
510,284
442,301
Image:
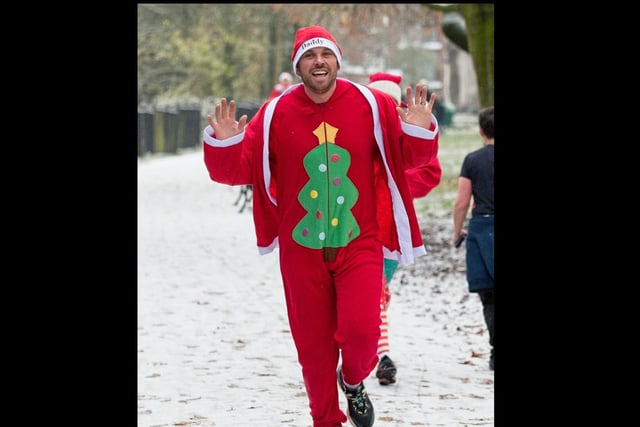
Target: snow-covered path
x,y
214,347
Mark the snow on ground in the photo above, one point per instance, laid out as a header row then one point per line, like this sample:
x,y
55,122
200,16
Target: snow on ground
x,y
214,347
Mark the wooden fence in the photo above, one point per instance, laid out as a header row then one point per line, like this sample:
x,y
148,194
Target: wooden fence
x,y
171,129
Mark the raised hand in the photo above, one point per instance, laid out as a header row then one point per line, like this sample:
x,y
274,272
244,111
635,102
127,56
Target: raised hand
x,y
225,125
418,110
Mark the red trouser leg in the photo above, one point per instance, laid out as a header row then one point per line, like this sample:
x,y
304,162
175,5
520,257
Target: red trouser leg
x,y
333,306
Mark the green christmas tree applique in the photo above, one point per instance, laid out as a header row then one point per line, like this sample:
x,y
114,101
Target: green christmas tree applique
x,y
328,196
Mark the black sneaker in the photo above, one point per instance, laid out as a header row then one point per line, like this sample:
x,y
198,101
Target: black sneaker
x,y
360,408
386,372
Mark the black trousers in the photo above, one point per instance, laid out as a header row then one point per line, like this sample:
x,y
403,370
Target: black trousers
x,y
488,307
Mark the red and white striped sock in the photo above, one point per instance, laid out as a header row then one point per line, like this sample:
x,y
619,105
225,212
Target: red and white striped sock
x,y
383,342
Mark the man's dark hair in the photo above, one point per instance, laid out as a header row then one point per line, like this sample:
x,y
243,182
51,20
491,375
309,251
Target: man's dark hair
x,y
485,120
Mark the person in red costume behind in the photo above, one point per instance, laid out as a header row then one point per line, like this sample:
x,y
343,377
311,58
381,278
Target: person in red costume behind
x,y
284,81
326,162
421,180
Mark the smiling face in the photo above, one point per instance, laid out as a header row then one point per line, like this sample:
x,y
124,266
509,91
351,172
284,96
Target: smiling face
x,y
318,69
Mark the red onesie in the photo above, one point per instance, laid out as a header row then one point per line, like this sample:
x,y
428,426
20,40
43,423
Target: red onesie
x,y
321,175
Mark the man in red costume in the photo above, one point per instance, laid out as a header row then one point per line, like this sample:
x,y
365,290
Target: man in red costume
x,y
324,159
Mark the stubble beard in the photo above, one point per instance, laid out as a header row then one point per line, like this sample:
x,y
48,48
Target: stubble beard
x,y
320,88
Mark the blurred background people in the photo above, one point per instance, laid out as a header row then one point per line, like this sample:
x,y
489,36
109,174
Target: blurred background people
x,y
284,81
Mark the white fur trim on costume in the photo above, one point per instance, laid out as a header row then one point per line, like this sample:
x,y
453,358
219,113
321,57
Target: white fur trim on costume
x,y
266,124
420,132
264,250
207,136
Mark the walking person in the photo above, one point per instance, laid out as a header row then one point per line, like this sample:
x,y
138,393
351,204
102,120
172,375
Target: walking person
x,y
476,181
323,158
421,180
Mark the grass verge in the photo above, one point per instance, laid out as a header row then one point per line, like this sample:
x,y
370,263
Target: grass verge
x,y
454,145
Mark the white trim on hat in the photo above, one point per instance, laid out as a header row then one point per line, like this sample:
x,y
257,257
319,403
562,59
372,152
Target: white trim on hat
x,y
316,42
388,87
285,75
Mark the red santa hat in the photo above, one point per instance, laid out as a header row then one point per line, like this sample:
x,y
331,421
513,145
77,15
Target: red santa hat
x,y
311,37
285,76
385,76
387,83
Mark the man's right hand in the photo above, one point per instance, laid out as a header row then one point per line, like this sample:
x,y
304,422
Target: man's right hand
x,y
225,125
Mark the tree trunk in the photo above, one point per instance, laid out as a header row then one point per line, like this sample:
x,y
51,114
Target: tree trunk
x,y
480,20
